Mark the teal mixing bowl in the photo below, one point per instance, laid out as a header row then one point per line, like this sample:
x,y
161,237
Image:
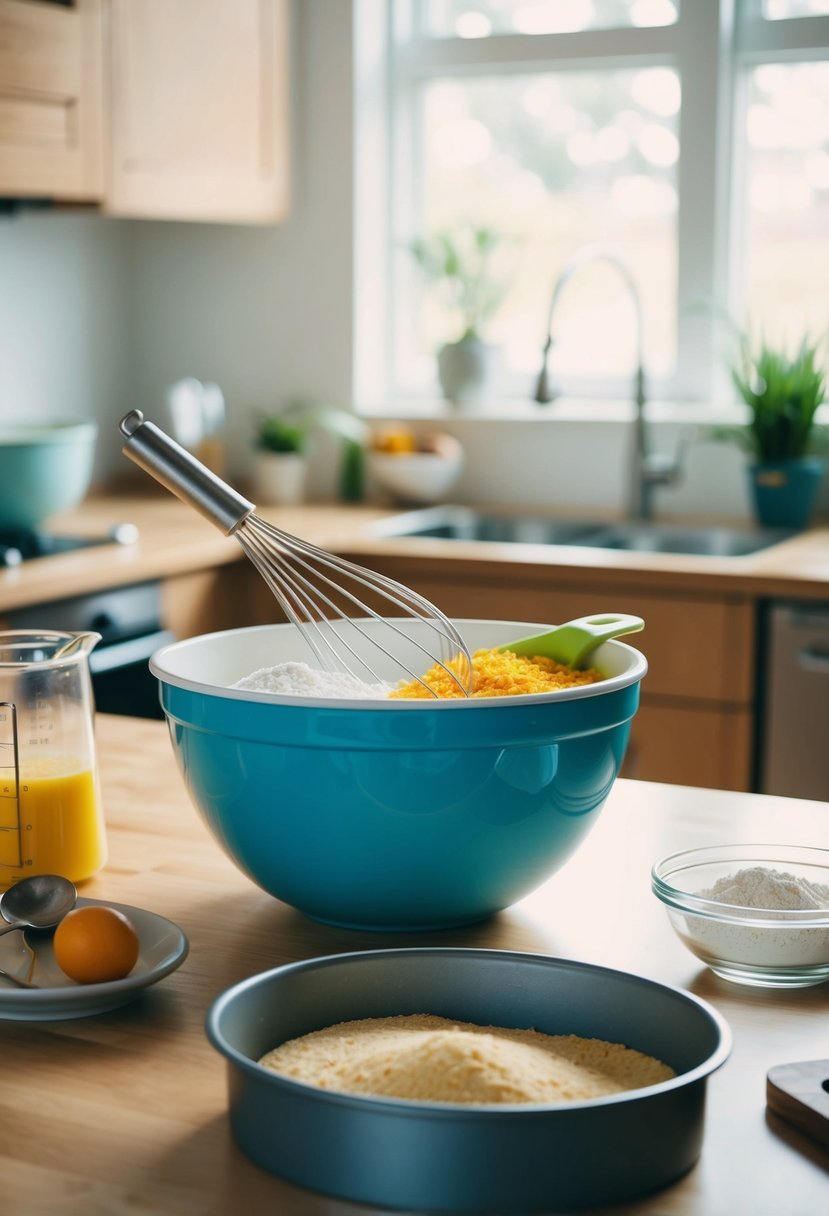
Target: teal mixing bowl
x,y
45,467
399,814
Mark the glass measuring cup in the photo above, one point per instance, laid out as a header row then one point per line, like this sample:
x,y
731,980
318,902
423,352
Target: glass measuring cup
x,y
51,819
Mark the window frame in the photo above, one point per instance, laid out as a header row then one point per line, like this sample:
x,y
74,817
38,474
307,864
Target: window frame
x,y
713,43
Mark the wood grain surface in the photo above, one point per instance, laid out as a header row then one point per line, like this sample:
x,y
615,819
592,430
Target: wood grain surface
x,y
126,1112
799,1093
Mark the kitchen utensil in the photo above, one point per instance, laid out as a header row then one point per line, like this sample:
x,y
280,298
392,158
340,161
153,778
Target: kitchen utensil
x,y
393,814
45,467
50,813
38,902
163,948
197,420
422,1156
761,947
573,642
799,1093
303,577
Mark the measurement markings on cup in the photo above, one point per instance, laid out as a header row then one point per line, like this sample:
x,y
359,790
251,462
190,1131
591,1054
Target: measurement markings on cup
x,y
11,828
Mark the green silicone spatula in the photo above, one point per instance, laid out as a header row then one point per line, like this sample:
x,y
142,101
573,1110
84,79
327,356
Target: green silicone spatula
x,y
572,642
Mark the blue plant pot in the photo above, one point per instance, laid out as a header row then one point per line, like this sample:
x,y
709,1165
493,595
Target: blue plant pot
x,y
785,491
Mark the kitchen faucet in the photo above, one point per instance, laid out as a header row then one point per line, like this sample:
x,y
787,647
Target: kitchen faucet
x,y
648,469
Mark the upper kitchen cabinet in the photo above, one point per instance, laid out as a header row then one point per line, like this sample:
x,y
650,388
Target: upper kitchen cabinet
x,y
197,114
50,100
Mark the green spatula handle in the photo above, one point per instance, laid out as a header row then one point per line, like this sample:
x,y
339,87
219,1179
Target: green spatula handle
x,y
572,642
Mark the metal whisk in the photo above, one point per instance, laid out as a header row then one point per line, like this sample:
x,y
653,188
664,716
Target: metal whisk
x,y
318,592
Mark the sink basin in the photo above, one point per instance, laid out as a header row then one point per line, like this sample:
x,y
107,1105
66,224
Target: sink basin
x,y
466,524
463,523
667,538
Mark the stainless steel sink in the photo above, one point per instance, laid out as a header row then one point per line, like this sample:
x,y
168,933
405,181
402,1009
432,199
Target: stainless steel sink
x,y
666,538
466,524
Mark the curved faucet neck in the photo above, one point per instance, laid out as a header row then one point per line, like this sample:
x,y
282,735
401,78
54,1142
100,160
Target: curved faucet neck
x,y
588,256
641,480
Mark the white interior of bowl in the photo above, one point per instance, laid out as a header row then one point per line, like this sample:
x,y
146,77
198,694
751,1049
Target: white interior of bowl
x,y
213,662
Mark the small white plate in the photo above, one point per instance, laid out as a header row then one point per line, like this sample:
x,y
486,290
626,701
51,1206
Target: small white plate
x,y
163,947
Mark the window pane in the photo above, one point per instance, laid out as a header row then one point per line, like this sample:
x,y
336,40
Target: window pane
x,y
787,240
557,161
480,18
779,10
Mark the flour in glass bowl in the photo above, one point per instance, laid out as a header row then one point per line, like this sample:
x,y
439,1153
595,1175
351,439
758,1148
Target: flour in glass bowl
x,y
760,890
772,890
295,679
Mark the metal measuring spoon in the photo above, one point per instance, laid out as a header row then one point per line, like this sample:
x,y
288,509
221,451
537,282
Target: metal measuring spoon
x,y
38,902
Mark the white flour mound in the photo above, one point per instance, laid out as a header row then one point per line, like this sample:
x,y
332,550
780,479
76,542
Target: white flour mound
x,y
760,890
774,890
300,680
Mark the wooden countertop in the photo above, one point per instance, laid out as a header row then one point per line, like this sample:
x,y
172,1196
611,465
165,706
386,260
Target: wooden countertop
x,y
126,1111
174,539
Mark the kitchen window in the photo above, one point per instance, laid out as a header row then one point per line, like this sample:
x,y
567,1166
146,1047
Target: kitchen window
x,y
690,137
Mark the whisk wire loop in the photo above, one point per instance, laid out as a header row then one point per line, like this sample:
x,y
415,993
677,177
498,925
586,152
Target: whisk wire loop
x,y
306,602
300,574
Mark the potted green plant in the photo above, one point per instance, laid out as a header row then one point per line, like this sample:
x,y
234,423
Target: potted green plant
x,y
280,466
782,438
462,265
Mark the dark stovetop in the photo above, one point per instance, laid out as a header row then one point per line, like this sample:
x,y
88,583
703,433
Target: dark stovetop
x,y
20,544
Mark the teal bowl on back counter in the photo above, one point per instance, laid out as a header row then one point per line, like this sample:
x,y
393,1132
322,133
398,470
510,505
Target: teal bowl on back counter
x,y
45,468
398,814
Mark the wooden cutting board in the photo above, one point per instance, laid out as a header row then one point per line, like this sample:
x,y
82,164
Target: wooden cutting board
x,y
799,1093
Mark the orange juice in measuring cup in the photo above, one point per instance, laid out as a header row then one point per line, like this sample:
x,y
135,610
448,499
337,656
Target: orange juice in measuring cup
x,y
51,819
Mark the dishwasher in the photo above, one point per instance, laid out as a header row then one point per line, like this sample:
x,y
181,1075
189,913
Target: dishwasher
x,y
794,718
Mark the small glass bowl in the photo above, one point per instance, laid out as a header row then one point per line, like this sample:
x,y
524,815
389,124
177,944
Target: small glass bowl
x,y
766,948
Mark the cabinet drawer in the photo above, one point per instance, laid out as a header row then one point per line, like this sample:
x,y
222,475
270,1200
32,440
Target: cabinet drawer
x,y
684,745
50,99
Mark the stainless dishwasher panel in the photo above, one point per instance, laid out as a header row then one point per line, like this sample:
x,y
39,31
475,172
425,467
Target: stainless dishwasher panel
x,y
794,739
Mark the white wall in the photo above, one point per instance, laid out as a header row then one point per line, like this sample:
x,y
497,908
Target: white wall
x,y
64,319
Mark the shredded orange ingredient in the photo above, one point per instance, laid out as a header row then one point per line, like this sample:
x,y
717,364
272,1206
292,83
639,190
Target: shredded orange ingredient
x,y
500,673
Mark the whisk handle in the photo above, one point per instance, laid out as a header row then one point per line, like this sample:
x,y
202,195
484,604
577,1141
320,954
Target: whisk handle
x,y
174,467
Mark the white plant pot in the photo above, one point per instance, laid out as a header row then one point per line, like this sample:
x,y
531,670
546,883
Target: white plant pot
x,y
465,369
279,478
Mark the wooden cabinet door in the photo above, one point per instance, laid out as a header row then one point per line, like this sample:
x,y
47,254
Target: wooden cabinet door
x,y
690,745
197,113
50,100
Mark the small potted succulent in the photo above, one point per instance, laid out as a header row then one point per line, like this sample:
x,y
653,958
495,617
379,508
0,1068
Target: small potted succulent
x,y
463,267
280,466
782,438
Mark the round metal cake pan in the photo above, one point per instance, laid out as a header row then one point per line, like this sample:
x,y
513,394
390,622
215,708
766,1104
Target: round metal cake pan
x,y
391,1153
